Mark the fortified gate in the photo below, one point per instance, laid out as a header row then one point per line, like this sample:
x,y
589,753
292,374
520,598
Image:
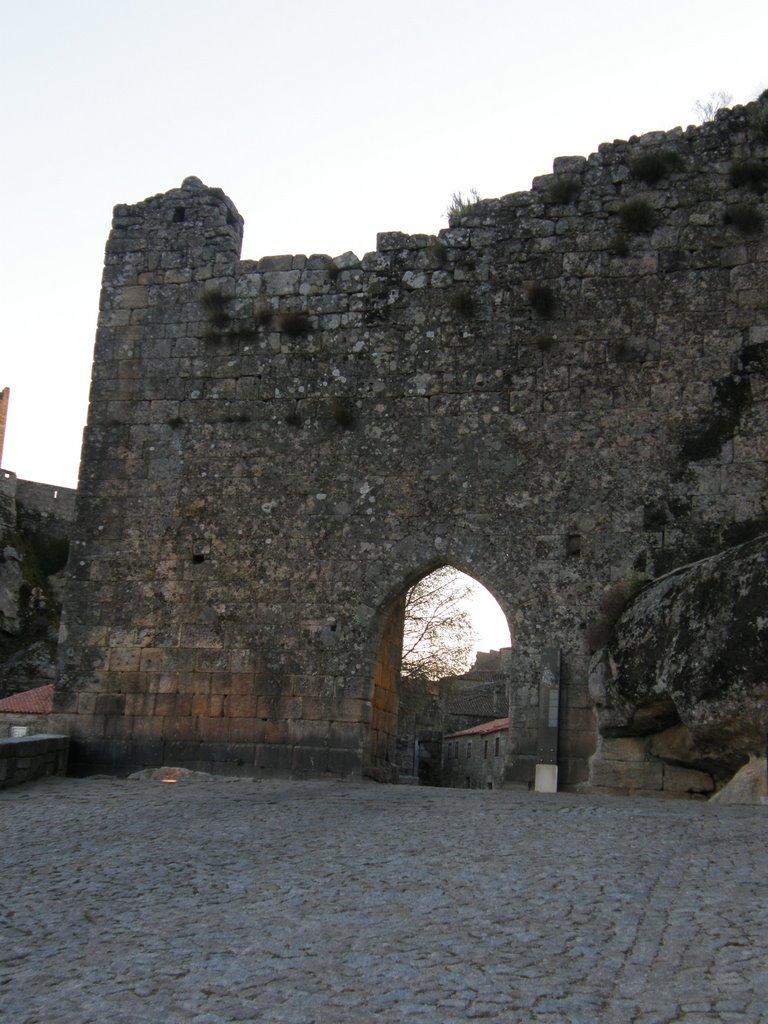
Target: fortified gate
x,y
565,389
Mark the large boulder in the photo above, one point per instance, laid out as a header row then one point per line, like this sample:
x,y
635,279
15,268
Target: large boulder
x,y
748,785
686,667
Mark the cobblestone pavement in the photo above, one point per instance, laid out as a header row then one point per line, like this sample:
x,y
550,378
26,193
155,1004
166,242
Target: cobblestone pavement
x,y
327,903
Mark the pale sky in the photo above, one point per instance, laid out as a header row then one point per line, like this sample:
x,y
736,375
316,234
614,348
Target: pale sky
x,y
324,122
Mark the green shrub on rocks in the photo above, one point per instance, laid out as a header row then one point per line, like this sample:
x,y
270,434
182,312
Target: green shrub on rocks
x,y
650,168
343,413
613,603
215,302
619,245
637,215
541,298
463,303
459,206
294,324
263,316
750,174
758,119
439,252
747,220
564,190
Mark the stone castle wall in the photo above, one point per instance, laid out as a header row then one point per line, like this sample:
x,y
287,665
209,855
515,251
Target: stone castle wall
x,y
564,389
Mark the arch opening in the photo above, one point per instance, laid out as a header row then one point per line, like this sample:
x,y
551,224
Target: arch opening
x,y
443,625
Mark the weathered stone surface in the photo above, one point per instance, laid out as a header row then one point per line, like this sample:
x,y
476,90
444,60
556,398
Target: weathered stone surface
x,y
748,785
34,542
170,775
549,395
291,903
686,781
691,649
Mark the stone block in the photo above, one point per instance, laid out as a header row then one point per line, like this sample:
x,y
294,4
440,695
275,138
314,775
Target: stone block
x,y
273,757
181,753
574,744
242,683
173,704
151,659
629,775
622,748
147,727
309,760
247,730
343,761
686,780
241,707
212,730
110,704
125,659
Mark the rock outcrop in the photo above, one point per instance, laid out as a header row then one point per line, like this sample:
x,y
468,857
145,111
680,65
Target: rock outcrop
x,y
748,785
35,521
682,685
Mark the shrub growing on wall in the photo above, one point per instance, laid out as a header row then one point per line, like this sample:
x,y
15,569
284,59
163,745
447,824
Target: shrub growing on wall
x,y
652,167
747,220
637,215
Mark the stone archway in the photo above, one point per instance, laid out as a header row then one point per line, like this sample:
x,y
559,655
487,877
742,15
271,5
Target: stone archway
x,y
379,750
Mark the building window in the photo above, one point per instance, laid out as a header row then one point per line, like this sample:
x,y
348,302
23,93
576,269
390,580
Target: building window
x,y
496,748
469,749
485,750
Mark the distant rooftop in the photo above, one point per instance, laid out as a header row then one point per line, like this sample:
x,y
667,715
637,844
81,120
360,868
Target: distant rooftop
x,y
497,725
30,702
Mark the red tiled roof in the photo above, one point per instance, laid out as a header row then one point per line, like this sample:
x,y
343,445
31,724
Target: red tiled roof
x,y
31,702
497,725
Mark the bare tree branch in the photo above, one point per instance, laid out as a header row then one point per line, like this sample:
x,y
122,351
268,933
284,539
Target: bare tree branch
x,y
439,638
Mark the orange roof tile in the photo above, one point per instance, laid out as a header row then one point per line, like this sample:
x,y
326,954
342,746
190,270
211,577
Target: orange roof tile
x,y
31,702
497,725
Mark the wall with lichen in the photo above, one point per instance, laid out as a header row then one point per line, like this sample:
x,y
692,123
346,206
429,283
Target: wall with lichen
x,y
35,524
565,388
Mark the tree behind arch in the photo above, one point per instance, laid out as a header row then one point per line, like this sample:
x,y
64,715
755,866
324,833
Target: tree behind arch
x,y
439,637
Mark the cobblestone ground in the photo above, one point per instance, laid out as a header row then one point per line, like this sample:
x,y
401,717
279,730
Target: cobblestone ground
x,y
327,903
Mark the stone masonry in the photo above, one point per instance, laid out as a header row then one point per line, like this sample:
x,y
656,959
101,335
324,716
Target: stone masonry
x,y
565,388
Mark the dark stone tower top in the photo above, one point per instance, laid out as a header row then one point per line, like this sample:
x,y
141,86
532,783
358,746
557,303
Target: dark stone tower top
x,y
190,226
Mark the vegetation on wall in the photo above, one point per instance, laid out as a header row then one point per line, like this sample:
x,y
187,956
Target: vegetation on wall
x,y
541,298
758,118
216,303
28,558
613,603
751,174
463,303
439,252
731,396
460,206
747,220
344,413
294,324
564,189
651,167
637,215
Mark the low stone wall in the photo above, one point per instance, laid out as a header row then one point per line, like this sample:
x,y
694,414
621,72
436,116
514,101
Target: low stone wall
x,y
34,724
26,758
627,766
